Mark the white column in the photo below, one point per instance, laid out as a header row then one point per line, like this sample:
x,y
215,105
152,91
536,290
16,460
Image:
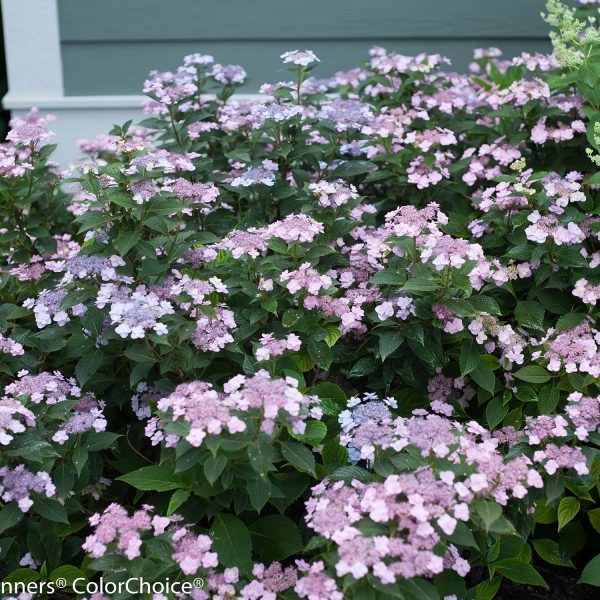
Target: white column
x,y
32,44
35,78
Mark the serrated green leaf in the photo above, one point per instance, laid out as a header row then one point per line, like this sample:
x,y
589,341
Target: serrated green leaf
x,y
152,478
567,510
469,357
299,456
549,551
519,572
389,342
231,541
533,374
275,538
591,572
177,499
213,467
484,377
50,509
260,454
10,515
530,314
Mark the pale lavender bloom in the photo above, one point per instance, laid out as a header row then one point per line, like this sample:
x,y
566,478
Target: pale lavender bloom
x,y
46,308
134,311
191,551
197,60
297,57
270,347
264,174
212,334
228,74
9,346
17,484
347,114
14,418
44,387
295,228
144,190
87,414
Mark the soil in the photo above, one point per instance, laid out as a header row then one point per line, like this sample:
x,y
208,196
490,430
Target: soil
x,y
562,584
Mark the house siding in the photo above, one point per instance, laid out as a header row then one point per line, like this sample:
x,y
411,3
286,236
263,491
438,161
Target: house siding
x,y
109,46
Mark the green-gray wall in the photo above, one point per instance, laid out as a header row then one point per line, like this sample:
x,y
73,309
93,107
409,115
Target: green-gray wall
x,y
108,46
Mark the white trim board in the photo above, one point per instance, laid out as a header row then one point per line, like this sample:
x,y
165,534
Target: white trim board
x,y
81,117
14,101
77,117
35,78
32,45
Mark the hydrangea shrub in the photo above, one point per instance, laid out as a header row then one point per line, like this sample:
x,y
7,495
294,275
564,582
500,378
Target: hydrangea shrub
x,y
340,341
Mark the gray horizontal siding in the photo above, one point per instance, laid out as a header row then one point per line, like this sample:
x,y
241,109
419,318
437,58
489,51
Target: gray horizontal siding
x,y
108,46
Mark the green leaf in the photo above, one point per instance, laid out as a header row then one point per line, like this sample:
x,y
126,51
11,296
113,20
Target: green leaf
x,y
140,354
121,199
503,526
593,180
463,536
63,477
275,538
259,492
487,590
489,512
352,168
548,400
519,572
495,412
389,341
291,485
213,467
591,572
549,551
177,499
299,456
22,576
569,321
320,353
544,513
50,509
387,277
363,366
68,573
349,472
333,453
314,433
231,541
329,390
484,377
554,301
469,357
10,515
304,361
533,374
421,284
154,478
333,334
594,517
416,589
127,240
99,440
567,510
530,314
79,458
261,454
